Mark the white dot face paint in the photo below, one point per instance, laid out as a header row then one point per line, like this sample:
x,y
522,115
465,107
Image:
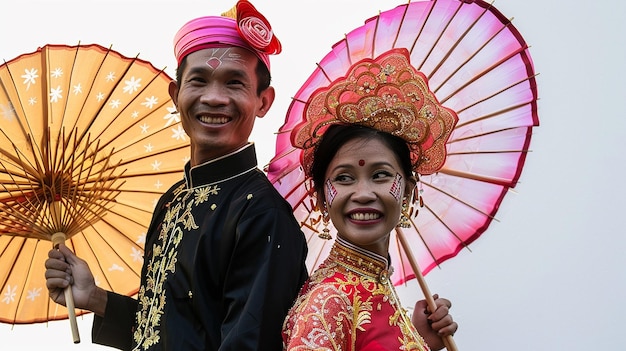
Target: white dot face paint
x,y
396,187
331,192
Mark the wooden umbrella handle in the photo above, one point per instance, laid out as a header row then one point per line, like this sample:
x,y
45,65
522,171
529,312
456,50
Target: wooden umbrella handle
x,y
448,340
58,238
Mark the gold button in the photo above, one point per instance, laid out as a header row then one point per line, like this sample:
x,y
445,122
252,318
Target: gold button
x,y
384,276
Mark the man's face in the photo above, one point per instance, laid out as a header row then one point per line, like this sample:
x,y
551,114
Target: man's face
x,y
218,102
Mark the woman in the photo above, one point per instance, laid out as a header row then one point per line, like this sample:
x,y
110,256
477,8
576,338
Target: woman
x,y
365,138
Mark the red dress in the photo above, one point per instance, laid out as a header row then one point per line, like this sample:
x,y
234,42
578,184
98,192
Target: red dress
x,y
349,304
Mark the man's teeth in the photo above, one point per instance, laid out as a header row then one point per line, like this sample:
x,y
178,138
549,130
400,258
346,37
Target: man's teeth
x,y
213,120
364,216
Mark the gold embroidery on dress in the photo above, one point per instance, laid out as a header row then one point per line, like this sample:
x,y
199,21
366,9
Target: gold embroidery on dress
x,y
178,219
333,308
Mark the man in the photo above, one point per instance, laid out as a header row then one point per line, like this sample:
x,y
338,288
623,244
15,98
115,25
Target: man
x,y
224,256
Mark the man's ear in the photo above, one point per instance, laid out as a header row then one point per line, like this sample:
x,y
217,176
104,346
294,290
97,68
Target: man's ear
x,y
173,90
267,99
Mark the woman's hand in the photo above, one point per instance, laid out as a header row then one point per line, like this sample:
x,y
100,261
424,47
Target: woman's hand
x,y
434,325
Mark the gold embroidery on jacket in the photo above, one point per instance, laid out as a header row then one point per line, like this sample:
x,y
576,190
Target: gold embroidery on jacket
x,y
177,220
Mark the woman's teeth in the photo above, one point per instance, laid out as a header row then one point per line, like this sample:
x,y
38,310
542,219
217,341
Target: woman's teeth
x,y
364,216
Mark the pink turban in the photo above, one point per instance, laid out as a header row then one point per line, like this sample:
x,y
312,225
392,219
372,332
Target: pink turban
x,y
250,30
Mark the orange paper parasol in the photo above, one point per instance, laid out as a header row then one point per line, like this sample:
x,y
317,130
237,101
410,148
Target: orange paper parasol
x,y
90,139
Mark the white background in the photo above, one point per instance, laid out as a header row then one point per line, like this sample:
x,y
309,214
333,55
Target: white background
x,y
550,275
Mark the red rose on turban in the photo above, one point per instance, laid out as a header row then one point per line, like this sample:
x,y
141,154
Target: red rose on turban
x,y
255,29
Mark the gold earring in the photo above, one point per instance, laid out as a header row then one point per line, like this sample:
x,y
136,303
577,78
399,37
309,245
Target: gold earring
x,y
404,215
325,234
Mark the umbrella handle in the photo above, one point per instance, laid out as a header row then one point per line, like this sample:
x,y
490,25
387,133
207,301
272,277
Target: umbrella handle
x,y
58,238
448,340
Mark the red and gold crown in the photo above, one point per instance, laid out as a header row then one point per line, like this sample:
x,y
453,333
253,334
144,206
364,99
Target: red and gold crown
x,y
387,94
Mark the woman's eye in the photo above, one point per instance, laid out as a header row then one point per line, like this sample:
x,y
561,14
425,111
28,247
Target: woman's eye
x,y
342,178
382,175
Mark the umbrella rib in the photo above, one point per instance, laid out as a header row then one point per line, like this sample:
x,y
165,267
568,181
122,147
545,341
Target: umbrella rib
x,y
480,135
374,36
440,220
60,162
20,221
134,244
73,204
399,249
24,222
120,214
60,193
432,48
484,72
44,149
455,44
37,230
293,189
494,114
12,105
318,257
45,86
30,266
88,93
74,129
83,210
27,130
100,191
479,178
60,132
110,92
323,72
533,101
284,154
16,161
127,175
154,78
474,54
419,33
345,38
165,127
406,9
10,271
488,215
430,252
91,209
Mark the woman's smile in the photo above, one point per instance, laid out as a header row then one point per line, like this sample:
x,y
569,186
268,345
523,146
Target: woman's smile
x,y
362,193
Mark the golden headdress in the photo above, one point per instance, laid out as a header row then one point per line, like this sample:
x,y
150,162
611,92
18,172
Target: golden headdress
x,y
387,94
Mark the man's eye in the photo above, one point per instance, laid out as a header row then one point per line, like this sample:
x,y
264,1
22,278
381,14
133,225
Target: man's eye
x,y
196,80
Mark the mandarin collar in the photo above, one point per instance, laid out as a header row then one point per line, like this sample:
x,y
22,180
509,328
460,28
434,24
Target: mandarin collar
x,y
222,168
361,261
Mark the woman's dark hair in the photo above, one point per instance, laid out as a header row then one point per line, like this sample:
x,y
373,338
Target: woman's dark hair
x,y
337,135
262,73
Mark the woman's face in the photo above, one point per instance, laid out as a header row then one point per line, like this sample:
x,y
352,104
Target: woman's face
x,y
363,190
